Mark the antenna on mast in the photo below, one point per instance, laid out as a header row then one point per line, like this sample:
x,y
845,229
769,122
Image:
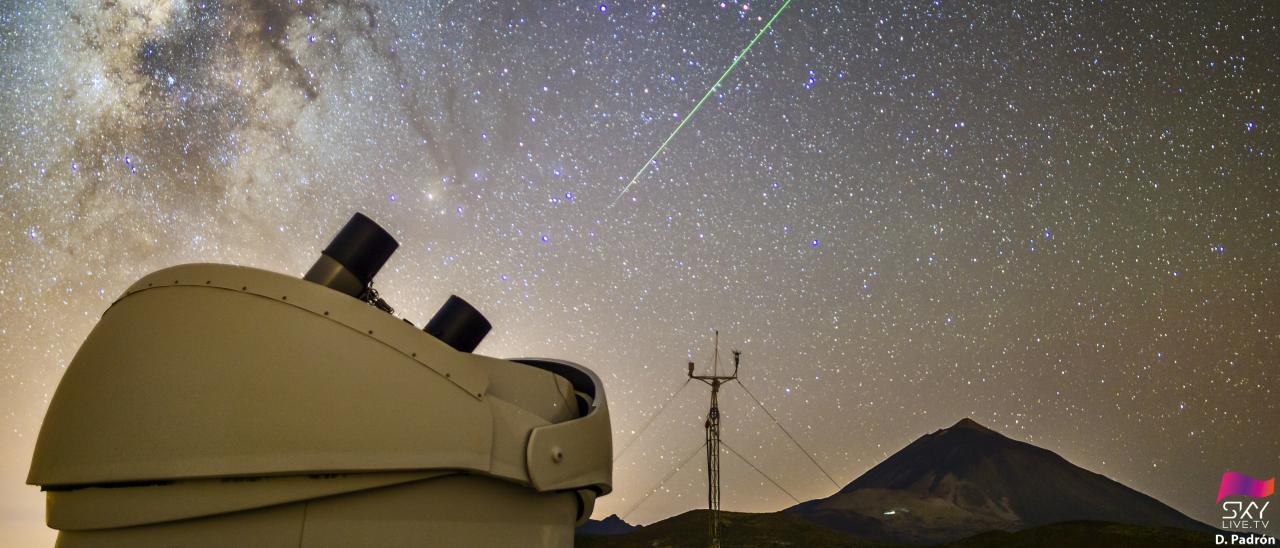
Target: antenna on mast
x,y
714,380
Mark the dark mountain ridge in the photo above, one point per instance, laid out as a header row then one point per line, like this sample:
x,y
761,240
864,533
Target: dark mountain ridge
x,y
967,479
611,525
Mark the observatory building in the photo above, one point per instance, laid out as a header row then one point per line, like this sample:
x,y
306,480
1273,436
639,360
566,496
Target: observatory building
x,y
218,405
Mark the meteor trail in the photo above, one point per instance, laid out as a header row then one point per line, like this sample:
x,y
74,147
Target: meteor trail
x,y
700,101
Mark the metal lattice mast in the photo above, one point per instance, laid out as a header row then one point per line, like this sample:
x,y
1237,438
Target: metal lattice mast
x,y
713,469
714,380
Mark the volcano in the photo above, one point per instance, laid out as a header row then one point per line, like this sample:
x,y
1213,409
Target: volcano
x,y
968,479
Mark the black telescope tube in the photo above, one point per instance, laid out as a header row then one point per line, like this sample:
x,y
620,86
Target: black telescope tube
x,y
352,258
362,247
458,324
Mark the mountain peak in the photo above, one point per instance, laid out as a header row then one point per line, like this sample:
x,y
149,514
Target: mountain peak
x,y
612,525
968,423
966,479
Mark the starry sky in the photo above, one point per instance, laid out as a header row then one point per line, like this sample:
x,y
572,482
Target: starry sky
x,y
1059,218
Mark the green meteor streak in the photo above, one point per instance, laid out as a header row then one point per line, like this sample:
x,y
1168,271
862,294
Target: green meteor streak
x,y
697,106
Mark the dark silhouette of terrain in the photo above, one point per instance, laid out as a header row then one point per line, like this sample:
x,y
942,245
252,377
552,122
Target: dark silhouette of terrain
x,y
612,525
689,530
965,486
737,529
968,479
1090,534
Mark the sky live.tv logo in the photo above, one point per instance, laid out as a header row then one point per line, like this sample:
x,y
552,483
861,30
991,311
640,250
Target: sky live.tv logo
x,y
1244,515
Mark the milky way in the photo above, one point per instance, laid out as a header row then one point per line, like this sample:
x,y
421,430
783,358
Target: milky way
x,y
1059,219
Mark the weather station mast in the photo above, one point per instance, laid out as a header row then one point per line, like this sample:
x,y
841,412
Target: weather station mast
x,y
714,380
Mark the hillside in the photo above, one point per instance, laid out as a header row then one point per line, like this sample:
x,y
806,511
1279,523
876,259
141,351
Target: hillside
x,y
967,479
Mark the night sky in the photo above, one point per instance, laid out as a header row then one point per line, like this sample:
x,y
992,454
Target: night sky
x,y
1060,219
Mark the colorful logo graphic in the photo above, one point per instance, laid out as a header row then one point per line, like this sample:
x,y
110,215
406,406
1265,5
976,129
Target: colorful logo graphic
x,y
1235,483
